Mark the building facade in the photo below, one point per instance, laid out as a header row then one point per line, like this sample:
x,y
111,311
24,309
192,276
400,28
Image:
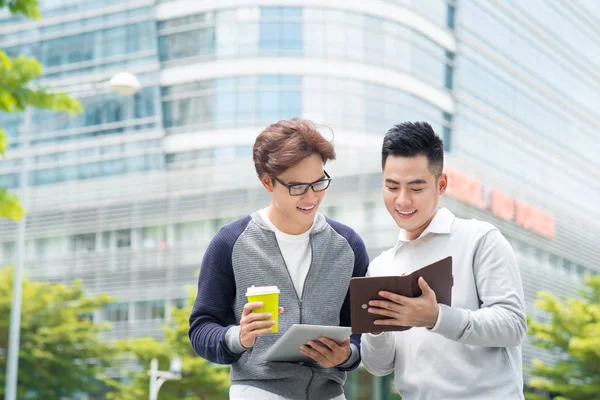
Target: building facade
x,y
127,195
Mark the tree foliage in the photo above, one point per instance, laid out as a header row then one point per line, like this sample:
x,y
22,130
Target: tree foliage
x,y
200,379
572,333
18,91
61,351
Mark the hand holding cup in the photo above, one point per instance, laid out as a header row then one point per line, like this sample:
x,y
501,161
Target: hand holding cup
x,y
260,315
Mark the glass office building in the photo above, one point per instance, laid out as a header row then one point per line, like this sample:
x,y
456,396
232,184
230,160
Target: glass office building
x,y
128,194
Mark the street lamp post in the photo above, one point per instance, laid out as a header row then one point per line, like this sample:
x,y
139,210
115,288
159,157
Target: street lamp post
x,y
157,378
12,362
122,83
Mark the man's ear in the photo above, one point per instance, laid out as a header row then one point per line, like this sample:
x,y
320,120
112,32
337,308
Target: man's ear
x,y
442,183
267,182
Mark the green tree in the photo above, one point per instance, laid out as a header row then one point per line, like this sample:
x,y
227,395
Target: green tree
x,y
572,333
61,352
18,91
200,379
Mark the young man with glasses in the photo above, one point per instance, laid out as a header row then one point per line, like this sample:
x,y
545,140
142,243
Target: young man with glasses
x,y
309,257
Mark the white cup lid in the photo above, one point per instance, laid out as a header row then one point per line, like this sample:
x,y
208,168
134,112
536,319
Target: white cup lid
x,y
255,290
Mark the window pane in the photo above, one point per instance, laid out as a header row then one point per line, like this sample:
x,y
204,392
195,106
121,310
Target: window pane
x,y
123,238
116,312
83,243
154,237
145,310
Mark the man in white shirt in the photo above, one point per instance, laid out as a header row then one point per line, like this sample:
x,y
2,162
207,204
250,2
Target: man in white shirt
x,y
471,350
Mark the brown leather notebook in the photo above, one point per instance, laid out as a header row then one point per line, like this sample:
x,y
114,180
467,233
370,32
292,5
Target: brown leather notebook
x,y
362,290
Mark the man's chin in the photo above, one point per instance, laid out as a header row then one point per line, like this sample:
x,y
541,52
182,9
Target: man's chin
x,y
405,225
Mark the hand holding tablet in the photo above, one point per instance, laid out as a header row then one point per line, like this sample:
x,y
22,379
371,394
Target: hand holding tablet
x,y
287,348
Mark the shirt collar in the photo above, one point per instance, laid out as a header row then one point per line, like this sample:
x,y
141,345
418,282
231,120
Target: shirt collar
x,y
440,224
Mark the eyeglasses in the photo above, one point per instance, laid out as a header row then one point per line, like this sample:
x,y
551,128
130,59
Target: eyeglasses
x,y
299,189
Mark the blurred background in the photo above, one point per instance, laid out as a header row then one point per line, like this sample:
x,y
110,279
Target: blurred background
x,y
126,195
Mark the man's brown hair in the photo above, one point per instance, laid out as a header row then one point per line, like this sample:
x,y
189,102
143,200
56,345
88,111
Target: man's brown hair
x,y
286,143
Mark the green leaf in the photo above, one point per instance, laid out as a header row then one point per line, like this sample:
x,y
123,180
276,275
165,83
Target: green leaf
x,y
62,352
28,8
200,379
17,92
10,207
2,141
572,332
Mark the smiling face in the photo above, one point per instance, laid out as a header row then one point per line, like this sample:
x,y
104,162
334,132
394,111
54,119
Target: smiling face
x,y
411,192
295,214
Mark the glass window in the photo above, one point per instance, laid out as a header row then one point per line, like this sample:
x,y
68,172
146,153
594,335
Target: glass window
x,y
106,242
8,252
268,105
522,48
116,312
435,10
154,237
291,11
113,167
190,234
123,237
263,99
48,248
567,266
246,106
89,152
199,42
154,309
45,176
291,36
89,171
243,151
135,164
9,181
427,60
225,105
269,36
271,12
155,162
581,271
179,303
114,41
226,41
291,31
44,158
280,31
83,243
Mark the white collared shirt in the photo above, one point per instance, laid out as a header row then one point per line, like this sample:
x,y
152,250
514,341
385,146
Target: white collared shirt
x,y
474,349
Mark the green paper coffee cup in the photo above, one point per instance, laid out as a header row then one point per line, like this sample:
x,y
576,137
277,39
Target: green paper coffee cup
x,y
269,296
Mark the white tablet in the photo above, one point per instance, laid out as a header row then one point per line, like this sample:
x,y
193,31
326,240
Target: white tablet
x,y
287,347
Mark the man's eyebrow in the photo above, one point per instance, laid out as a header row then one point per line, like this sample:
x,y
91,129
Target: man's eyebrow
x,y
304,183
413,182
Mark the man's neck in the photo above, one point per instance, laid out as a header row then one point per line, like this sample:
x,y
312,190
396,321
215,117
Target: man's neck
x,y
282,223
412,235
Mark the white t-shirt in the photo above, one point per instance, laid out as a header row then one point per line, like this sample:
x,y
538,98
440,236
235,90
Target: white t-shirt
x,y
295,250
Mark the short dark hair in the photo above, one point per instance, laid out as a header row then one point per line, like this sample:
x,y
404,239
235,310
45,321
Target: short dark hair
x,y
412,139
286,143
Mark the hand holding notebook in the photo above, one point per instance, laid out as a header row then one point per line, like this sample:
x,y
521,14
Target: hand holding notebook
x,y
363,290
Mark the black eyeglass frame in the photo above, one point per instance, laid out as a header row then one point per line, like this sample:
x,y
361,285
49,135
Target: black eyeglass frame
x,y
306,185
